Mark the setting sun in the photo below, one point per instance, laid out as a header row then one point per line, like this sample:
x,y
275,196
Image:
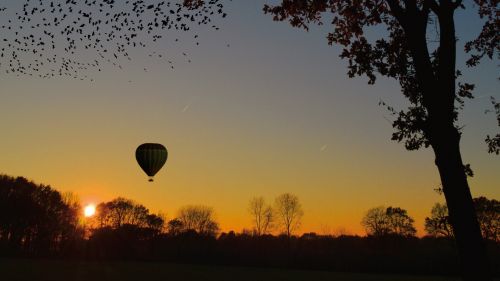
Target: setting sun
x,y
89,210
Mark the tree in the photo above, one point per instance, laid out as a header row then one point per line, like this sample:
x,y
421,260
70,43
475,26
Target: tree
x,y
494,142
175,227
198,218
262,215
120,211
115,213
400,222
382,221
140,216
73,228
34,218
288,213
428,79
438,224
488,213
375,222
156,222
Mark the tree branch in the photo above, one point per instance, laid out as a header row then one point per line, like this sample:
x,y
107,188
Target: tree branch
x,y
456,4
397,10
411,5
432,5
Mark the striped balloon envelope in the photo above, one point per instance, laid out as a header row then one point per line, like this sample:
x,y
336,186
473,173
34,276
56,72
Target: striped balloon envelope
x,y
151,157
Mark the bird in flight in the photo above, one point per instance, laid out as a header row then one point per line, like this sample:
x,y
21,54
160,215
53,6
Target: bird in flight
x,y
72,38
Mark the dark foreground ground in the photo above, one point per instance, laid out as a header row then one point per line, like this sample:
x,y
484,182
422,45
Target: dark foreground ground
x,y
45,270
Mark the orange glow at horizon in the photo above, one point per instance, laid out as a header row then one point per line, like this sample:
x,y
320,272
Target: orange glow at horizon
x,y
268,115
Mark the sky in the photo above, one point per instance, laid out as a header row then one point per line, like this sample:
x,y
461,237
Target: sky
x,y
261,109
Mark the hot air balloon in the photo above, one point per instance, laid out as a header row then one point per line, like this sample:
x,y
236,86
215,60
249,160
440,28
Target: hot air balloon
x,y
151,157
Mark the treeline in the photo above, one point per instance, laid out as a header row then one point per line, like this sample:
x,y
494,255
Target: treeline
x,y
285,217
38,221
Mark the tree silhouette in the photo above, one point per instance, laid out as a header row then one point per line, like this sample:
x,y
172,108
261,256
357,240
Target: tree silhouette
x,y
494,142
428,79
288,213
400,222
34,218
262,215
120,211
382,221
155,222
114,213
375,222
198,218
72,229
438,224
488,213
68,37
175,227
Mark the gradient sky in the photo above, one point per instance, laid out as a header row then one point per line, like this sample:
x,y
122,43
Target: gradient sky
x,y
274,112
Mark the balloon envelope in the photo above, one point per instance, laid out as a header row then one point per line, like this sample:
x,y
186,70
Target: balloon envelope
x,y
151,157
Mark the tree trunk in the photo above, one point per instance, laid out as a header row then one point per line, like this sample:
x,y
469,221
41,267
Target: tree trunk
x,y
474,262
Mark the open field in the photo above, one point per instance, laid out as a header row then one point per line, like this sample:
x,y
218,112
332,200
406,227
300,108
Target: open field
x,y
45,270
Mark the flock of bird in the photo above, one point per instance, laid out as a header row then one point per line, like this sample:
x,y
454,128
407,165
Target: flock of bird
x,y
72,37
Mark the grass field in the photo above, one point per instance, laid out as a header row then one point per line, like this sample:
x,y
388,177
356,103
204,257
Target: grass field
x,y
45,270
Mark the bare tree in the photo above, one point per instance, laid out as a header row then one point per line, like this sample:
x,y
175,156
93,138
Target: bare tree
x,y
72,227
375,222
262,215
71,199
198,218
289,212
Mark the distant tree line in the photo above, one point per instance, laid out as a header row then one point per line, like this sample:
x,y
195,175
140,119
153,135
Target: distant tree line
x,y
38,221
383,221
